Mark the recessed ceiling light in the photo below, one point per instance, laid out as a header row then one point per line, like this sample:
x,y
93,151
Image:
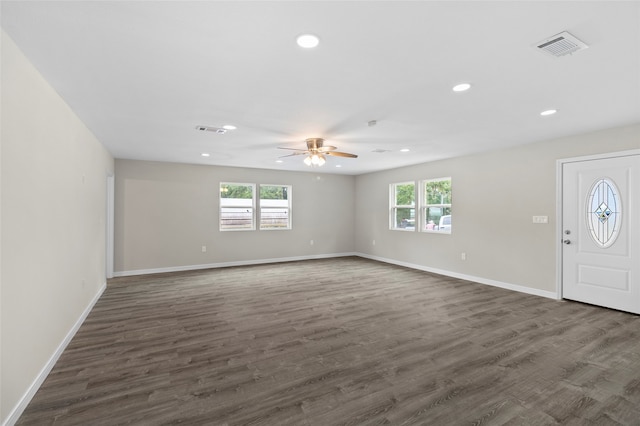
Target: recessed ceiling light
x,y
338,165
308,41
548,112
462,87
279,161
405,150
229,127
205,154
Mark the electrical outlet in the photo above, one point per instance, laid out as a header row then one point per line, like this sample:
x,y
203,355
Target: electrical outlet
x,y
463,256
204,249
311,242
374,242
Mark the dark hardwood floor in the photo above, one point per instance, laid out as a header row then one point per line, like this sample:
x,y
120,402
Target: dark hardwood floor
x,y
344,341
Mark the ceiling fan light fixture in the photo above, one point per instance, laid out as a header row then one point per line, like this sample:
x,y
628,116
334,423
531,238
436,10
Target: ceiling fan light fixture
x,y
317,160
316,152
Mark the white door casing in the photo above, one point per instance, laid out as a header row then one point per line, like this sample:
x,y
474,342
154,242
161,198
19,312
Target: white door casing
x,y
601,232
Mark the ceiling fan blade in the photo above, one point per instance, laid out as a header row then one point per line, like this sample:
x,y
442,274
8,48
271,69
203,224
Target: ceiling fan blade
x,y
292,149
341,154
295,153
327,148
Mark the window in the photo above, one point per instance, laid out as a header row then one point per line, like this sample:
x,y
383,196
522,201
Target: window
x,y
237,206
436,205
275,207
402,201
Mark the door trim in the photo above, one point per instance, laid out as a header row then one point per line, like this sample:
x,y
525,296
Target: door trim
x,y
559,198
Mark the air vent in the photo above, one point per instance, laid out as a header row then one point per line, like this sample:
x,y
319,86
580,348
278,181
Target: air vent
x,y
561,44
380,151
217,130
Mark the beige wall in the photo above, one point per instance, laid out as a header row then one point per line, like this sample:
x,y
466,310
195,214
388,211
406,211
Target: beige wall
x,y
53,223
495,195
166,212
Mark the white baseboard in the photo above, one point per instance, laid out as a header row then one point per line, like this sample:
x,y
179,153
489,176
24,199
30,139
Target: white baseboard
x,y
227,264
508,286
17,411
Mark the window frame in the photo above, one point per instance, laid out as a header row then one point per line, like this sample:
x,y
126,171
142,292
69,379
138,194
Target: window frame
x,y
289,225
424,205
393,206
252,207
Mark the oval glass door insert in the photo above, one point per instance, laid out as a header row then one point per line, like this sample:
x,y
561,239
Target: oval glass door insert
x,y
604,215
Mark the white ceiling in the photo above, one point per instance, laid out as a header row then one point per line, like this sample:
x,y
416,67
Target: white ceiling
x,y
142,75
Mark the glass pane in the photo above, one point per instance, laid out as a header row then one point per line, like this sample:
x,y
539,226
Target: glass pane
x,y
603,212
274,192
405,218
274,218
437,219
405,194
438,191
229,190
236,218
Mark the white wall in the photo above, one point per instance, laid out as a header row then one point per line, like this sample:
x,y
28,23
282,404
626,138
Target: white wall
x,y
166,212
495,195
53,225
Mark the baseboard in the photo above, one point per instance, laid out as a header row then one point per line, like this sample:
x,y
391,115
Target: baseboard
x,y
508,286
17,411
227,264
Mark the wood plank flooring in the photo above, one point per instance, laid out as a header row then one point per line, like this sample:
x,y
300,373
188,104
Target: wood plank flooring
x,y
344,341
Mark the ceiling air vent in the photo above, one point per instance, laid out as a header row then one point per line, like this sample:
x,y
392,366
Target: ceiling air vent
x,y
561,44
217,130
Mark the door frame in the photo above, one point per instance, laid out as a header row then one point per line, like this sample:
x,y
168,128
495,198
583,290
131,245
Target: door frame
x,y
559,198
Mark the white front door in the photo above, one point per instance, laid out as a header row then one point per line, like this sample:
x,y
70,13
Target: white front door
x,y
601,232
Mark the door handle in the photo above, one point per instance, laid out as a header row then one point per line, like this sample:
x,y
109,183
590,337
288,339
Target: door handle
x,y
566,241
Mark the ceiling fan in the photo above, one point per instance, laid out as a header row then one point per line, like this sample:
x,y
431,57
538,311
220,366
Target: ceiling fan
x,y
316,151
